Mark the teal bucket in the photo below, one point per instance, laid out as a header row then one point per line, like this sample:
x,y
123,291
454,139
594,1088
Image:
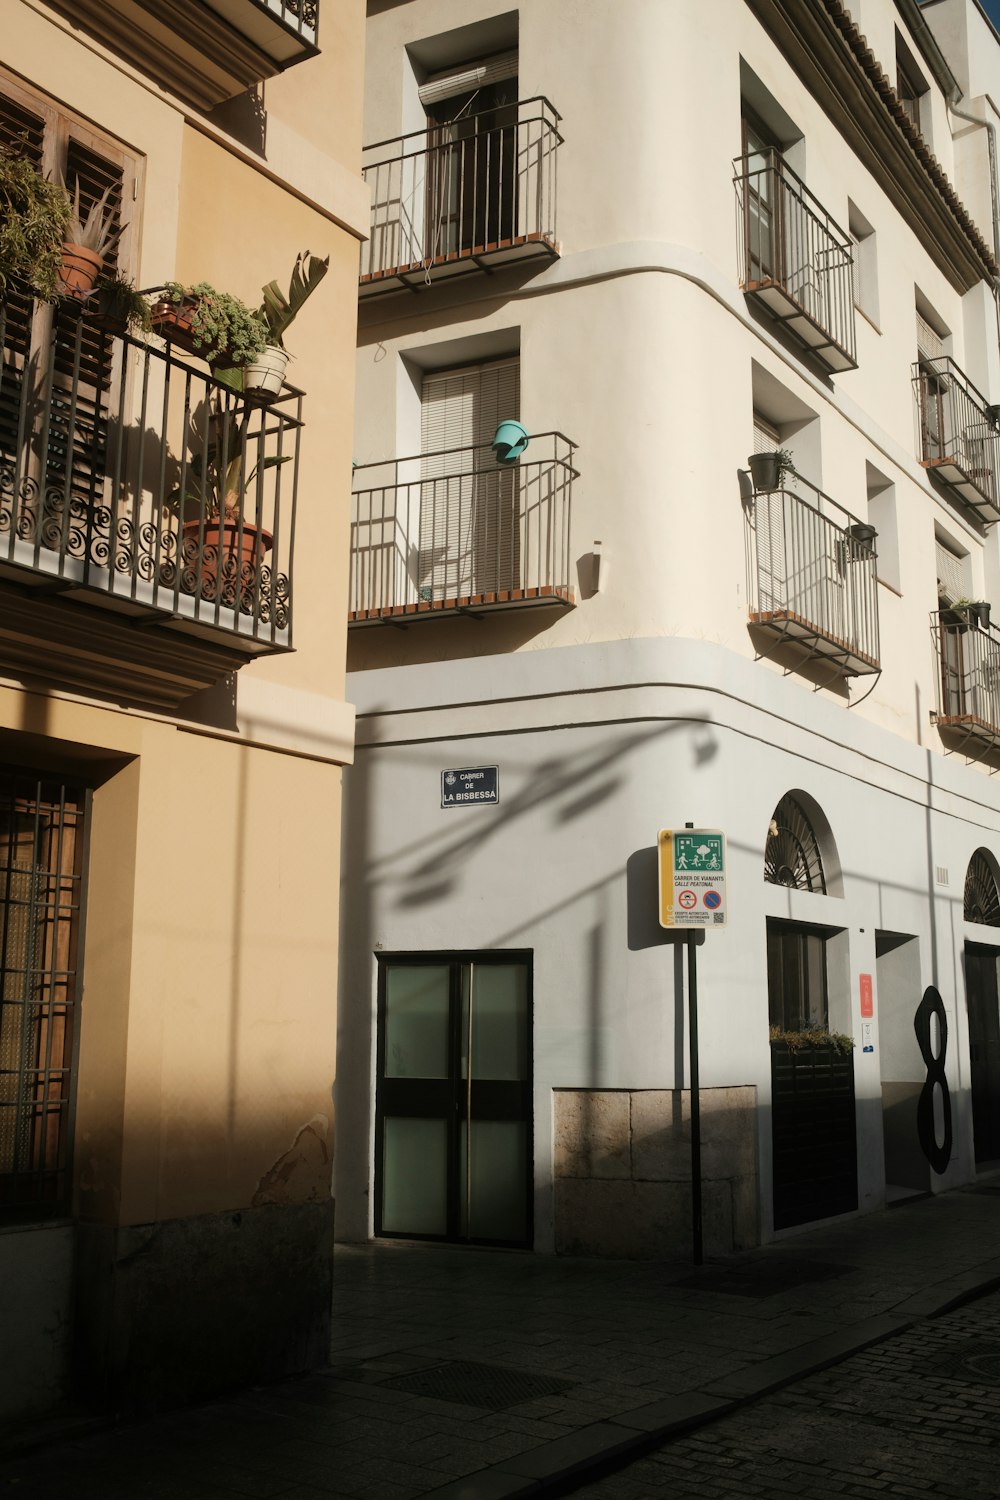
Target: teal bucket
x,y
510,441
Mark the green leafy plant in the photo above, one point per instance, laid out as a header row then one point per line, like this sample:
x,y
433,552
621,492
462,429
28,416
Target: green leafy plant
x,y
222,326
34,223
98,231
117,302
277,311
813,1038
219,477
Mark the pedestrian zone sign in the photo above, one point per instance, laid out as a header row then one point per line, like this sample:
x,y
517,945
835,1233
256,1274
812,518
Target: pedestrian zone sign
x,y
692,868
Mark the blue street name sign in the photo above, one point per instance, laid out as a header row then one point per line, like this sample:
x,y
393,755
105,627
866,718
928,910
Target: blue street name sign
x,y
470,786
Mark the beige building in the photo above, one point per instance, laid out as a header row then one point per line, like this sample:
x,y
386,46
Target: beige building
x,y
172,711
659,237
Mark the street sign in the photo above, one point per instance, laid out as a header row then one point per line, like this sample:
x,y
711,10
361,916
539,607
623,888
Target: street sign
x,y
470,786
692,868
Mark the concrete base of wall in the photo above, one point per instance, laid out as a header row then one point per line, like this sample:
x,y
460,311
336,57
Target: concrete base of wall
x,y
36,1319
175,1311
623,1171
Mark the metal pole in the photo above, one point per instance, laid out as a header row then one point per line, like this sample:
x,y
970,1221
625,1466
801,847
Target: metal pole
x,y
696,1234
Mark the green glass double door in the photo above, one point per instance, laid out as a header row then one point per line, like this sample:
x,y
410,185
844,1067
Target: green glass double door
x,y
453,1157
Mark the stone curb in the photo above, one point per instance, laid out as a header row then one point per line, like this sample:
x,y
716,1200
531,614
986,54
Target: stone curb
x,y
547,1469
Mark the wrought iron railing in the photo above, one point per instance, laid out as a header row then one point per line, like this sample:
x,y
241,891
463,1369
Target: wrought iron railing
x,y
455,530
129,473
959,434
298,16
481,188
968,657
795,258
811,576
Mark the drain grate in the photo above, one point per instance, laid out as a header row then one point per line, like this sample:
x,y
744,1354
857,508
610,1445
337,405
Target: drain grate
x,y
471,1384
976,1362
763,1278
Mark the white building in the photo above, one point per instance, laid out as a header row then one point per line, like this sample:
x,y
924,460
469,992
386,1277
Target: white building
x,y
662,237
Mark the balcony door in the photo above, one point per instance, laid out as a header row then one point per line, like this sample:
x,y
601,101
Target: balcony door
x,y
453,1106
984,1049
761,164
472,152
469,533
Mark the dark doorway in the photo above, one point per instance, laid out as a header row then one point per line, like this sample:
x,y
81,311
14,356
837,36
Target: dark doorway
x,y
454,1068
984,1048
473,183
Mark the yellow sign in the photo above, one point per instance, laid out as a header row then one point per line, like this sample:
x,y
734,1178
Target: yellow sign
x,y
692,877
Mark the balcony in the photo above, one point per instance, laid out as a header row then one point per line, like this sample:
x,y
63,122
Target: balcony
x,y
147,513
795,261
811,577
470,196
958,436
454,532
206,51
968,659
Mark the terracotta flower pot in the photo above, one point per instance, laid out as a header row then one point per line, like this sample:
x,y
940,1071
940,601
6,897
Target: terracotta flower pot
x,y
174,321
230,562
79,270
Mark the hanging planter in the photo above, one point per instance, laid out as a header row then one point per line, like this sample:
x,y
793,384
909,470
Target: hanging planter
x,y
263,377
212,324
768,469
510,441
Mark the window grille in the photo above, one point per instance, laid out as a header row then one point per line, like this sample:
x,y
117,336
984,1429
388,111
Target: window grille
x,y
982,899
792,854
41,897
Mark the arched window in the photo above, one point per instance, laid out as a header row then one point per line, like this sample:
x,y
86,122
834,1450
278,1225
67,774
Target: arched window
x,y
792,854
982,899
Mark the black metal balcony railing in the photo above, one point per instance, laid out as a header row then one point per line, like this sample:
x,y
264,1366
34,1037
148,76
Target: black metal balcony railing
x,y
129,475
795,260
454,531
811,577
472,194
959,435
968,658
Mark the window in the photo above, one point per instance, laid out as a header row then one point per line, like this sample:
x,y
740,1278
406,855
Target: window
x,y
796,976
864,277
911,86
41,884
882,515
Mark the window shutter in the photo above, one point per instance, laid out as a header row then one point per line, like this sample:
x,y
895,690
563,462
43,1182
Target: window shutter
x,y
468,531
451,82
953,574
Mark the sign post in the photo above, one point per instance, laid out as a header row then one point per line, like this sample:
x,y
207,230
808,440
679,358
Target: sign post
x,y
692,890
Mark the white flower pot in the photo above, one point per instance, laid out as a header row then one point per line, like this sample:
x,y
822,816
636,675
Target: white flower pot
x,y
265,376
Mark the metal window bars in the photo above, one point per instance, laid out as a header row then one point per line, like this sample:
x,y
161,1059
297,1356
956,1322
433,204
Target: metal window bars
x,y
128,472
454,531
959,435
811,577
968,677
471,194
42,828
795,260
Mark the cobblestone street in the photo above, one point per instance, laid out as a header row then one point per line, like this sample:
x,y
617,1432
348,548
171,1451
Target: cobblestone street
x,y
918,1415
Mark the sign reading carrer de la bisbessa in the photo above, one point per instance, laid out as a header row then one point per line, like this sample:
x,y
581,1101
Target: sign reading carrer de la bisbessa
x,y
470,786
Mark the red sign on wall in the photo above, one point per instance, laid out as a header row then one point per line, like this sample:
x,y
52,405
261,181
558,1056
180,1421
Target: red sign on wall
x,y
867,1005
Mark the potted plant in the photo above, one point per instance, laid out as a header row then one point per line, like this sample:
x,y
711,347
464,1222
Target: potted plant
x,y
34,224
87,244
117,306
264,375
962,613
221,550
768,469
208,322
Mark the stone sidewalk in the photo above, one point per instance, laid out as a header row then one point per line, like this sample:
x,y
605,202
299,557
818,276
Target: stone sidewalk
x,y
482,1375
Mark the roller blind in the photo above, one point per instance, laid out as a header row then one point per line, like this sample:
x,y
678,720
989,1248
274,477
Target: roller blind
x,y
460,80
